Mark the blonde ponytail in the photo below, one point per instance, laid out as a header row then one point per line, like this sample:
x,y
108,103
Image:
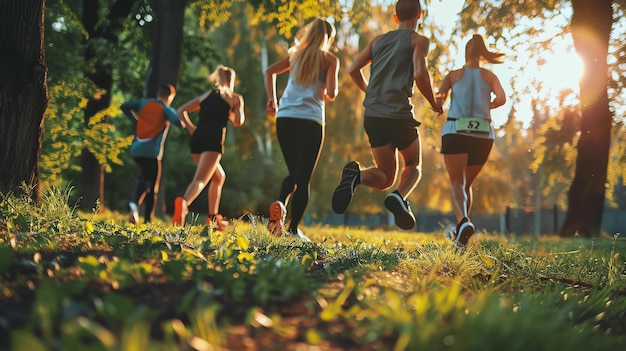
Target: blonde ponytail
x,y
224,79
308,53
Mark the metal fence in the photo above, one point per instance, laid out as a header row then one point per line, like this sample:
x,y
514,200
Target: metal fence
x,y
546,221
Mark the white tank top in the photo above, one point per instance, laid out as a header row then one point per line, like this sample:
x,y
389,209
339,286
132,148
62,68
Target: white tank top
x,y
300,101
470,97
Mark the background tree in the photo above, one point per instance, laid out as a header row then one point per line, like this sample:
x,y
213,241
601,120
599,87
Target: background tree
x,y
23,93
591,29
67,134
99,48
554,151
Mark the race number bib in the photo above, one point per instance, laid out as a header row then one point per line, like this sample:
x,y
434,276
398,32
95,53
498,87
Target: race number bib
x,y
472,125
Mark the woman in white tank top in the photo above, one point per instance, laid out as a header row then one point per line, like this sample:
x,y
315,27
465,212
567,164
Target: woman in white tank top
x,y
313,72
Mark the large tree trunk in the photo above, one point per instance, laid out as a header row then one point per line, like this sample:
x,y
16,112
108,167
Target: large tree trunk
x,y
166,61
90,184
23,93
167,44
591,28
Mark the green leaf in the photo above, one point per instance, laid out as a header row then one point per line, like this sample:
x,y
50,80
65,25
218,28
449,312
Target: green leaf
x,y
22,340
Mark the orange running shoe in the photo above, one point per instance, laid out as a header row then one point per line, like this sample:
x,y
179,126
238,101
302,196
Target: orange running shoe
x,y
180,211
218,220
278,212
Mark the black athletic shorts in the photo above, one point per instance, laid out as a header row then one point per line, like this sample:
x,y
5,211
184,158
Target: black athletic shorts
x,y
478,149
207,139
400,133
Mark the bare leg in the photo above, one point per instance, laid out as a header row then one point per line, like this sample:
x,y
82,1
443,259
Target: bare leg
x,y
207,164
471,172
384,172
412,170
215,189
455,165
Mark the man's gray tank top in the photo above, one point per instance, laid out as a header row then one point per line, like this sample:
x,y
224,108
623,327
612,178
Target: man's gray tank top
x,y
390,86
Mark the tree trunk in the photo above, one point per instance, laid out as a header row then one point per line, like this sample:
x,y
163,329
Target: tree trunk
x,y
23,94
591,28
166,61
90,184
167,44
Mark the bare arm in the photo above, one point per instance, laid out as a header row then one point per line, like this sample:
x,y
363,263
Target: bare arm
x,y
278,67
237,115
332,74
361,60
420,71
497,89
190,106
444,89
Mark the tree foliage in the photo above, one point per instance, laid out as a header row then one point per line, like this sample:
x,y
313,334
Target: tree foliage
x,y
66,134
554,149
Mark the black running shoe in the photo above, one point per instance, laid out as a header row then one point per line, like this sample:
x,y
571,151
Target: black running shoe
x,y
343,193
465,230
401,212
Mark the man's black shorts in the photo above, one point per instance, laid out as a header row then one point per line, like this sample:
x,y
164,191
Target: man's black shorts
x,y
400,133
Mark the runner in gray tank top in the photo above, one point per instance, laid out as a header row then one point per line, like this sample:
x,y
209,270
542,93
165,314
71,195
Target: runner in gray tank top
x,y
390,87
397,58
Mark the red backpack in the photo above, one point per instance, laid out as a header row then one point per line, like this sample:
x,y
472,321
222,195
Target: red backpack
x,y
151,120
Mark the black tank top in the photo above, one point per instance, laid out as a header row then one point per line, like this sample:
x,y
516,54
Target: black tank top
x,y
214,111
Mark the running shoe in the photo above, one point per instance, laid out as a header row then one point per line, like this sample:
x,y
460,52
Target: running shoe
x,y
133,213
401,212
278,212
450,232
298,234
465,230
180,211
350,178
218,220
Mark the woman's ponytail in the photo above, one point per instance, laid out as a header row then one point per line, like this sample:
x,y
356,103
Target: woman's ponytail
x,y
476,48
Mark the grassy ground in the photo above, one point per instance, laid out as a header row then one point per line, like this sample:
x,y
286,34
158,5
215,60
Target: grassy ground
x,y
85,282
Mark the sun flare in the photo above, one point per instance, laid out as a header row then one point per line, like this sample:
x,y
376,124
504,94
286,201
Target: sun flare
x,y
560,70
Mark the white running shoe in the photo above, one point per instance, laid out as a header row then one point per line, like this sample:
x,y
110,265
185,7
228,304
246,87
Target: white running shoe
x,y
298,234
133,213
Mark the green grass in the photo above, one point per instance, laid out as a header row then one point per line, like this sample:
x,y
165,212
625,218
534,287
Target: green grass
x,y
71,281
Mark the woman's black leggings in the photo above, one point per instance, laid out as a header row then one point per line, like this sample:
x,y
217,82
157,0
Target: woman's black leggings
x,y
301,142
